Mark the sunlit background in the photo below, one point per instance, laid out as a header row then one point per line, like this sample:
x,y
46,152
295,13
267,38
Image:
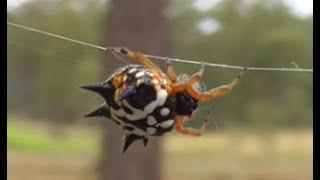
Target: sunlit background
x,y
262,130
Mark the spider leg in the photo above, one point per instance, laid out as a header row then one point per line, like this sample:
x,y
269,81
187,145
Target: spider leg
x,y
181,86
216,92
180,128
170,72
136,57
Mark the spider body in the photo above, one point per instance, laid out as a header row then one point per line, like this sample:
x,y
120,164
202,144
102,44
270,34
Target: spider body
x,y
146,102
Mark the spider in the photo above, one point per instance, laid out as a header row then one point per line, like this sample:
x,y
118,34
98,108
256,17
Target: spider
x,y
147,102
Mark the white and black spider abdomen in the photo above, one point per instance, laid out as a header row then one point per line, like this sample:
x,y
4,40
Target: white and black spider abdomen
x,y
137,99
156,123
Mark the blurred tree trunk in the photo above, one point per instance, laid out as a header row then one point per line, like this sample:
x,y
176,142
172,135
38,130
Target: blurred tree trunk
x,y
142,26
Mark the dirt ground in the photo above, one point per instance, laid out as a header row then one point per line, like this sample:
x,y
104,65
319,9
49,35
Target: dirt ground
x,y
285,156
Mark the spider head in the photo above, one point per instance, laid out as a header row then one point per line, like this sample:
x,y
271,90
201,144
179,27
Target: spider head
x,y
185,103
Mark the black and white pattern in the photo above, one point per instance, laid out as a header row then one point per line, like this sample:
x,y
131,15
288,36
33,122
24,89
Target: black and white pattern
x,y
147,109
143,107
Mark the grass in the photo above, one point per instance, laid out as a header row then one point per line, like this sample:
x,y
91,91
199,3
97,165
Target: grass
x,y
22,138
33,154
39,143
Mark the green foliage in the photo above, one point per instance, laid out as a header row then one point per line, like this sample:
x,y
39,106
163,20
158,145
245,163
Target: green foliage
x,y
44,73
259,33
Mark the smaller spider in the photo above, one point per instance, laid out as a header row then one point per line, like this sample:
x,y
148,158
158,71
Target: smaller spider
x,y
146,102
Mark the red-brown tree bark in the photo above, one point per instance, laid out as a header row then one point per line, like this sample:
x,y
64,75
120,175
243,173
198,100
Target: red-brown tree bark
x,y
139,25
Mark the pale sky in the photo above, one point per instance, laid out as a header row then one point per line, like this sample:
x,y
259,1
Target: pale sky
x,y
301,7
14,3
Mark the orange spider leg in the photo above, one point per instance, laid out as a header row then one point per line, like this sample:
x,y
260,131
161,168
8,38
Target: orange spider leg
x,y
170,72
180,128
137,57
214,93
181,86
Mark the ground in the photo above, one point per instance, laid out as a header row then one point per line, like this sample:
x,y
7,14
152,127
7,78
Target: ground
x,y
32,155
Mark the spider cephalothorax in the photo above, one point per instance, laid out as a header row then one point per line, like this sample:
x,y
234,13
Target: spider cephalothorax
x,y
146,102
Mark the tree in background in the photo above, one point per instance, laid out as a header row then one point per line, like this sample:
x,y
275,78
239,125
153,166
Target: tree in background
x,y
142,26
251,33
44,73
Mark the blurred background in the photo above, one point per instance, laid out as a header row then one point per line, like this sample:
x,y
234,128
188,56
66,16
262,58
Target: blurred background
x,y
261,131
